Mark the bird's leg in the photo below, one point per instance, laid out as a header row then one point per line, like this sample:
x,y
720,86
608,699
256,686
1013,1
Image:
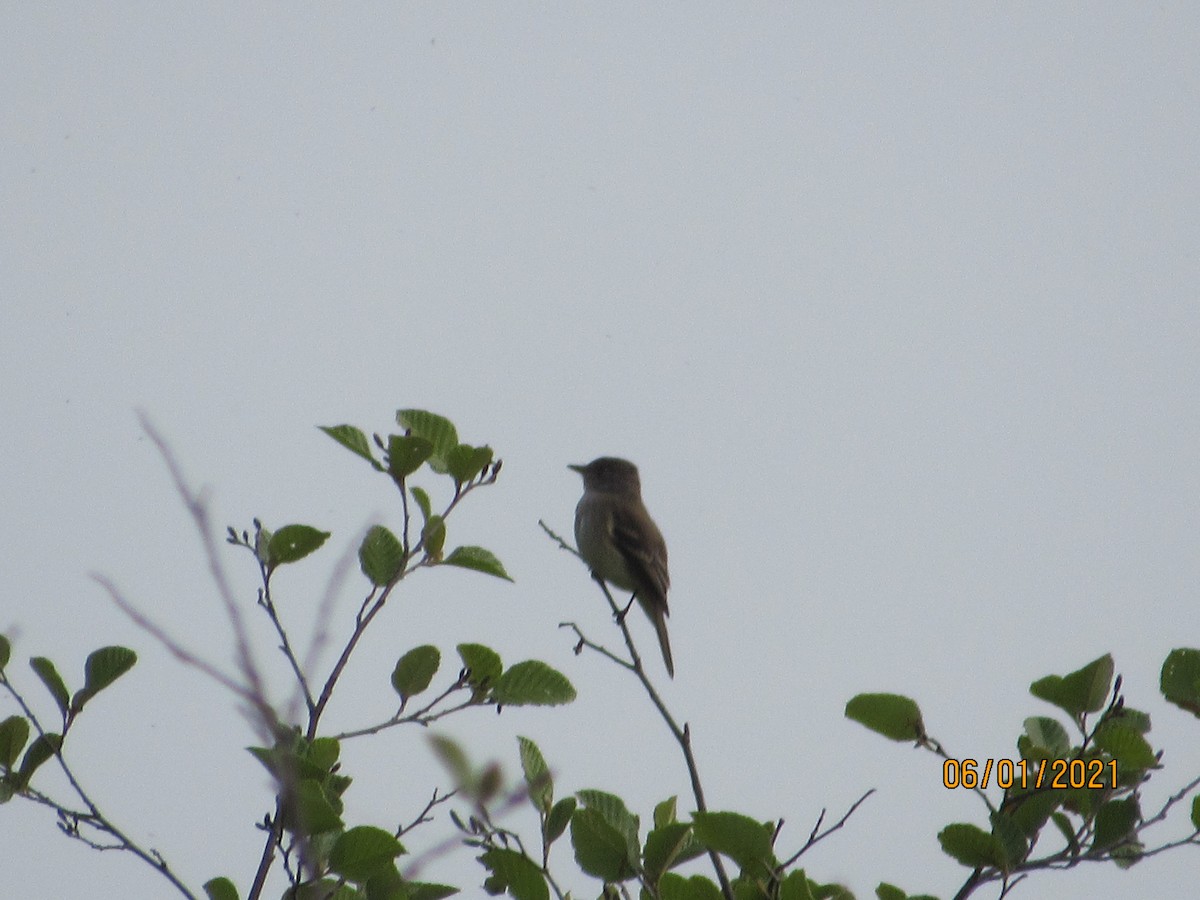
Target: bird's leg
x,y
620,617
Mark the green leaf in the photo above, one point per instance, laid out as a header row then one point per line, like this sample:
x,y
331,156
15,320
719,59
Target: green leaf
x,y
1080,692
537,774
482,663
465,461
353,440
1196,812
1067,830
1011,838
14,732
363,850
1048,736
5,652
380,556
53,681
600,849
325,889
892,715
311,809
889,892
406,454
454,758
220,889
1030,808
293,542
422,499
1126,745
533,683
424,890
433,535
1180,679
103,667
664,812
746,841
676,887
262,544
437,430
516,873
44,746
478,559
972,846
796,886
323,753
1115,823
559,818
415,670
664,847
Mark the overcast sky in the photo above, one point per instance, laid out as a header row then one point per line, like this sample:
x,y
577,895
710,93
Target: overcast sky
x,y
895,306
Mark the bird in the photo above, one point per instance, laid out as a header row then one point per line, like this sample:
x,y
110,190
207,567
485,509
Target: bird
x,y
620,542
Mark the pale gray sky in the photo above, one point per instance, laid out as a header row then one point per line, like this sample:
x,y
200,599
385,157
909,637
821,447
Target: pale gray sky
x,y
894,306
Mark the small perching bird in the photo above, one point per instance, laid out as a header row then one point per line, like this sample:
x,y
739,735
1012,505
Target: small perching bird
x,y
620,542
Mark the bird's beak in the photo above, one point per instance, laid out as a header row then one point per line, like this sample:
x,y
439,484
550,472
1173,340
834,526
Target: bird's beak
x,y
575,468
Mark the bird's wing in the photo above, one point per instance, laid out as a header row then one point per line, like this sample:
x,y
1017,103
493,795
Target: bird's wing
x,y
641,545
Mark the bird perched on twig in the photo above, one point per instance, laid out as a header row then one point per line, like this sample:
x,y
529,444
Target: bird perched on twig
x,y
620,542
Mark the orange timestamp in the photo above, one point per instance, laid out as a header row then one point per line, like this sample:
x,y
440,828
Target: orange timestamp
x,y
1053,774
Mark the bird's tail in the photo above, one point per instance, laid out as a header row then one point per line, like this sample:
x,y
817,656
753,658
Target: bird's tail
x,y
658,615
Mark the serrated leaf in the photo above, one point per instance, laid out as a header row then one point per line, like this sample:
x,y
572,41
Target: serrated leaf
x,y
889,892
43,747
1196,812
1115,822
600,849
381,556
1030,810
1082,691
1012,840
664,847
479,559
362,851
1048,736
1180,679
436,429
46,671
465,461
433,536
537,774
664,812
293,542
483,663
1126,745
971,846
453,757
425,890
516,873
406,454
323,753
353,440
14,733
892,715
422,499
559,818
1063,824
310,809
744,840
220,889
415,670
5,652
532,683
676,887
